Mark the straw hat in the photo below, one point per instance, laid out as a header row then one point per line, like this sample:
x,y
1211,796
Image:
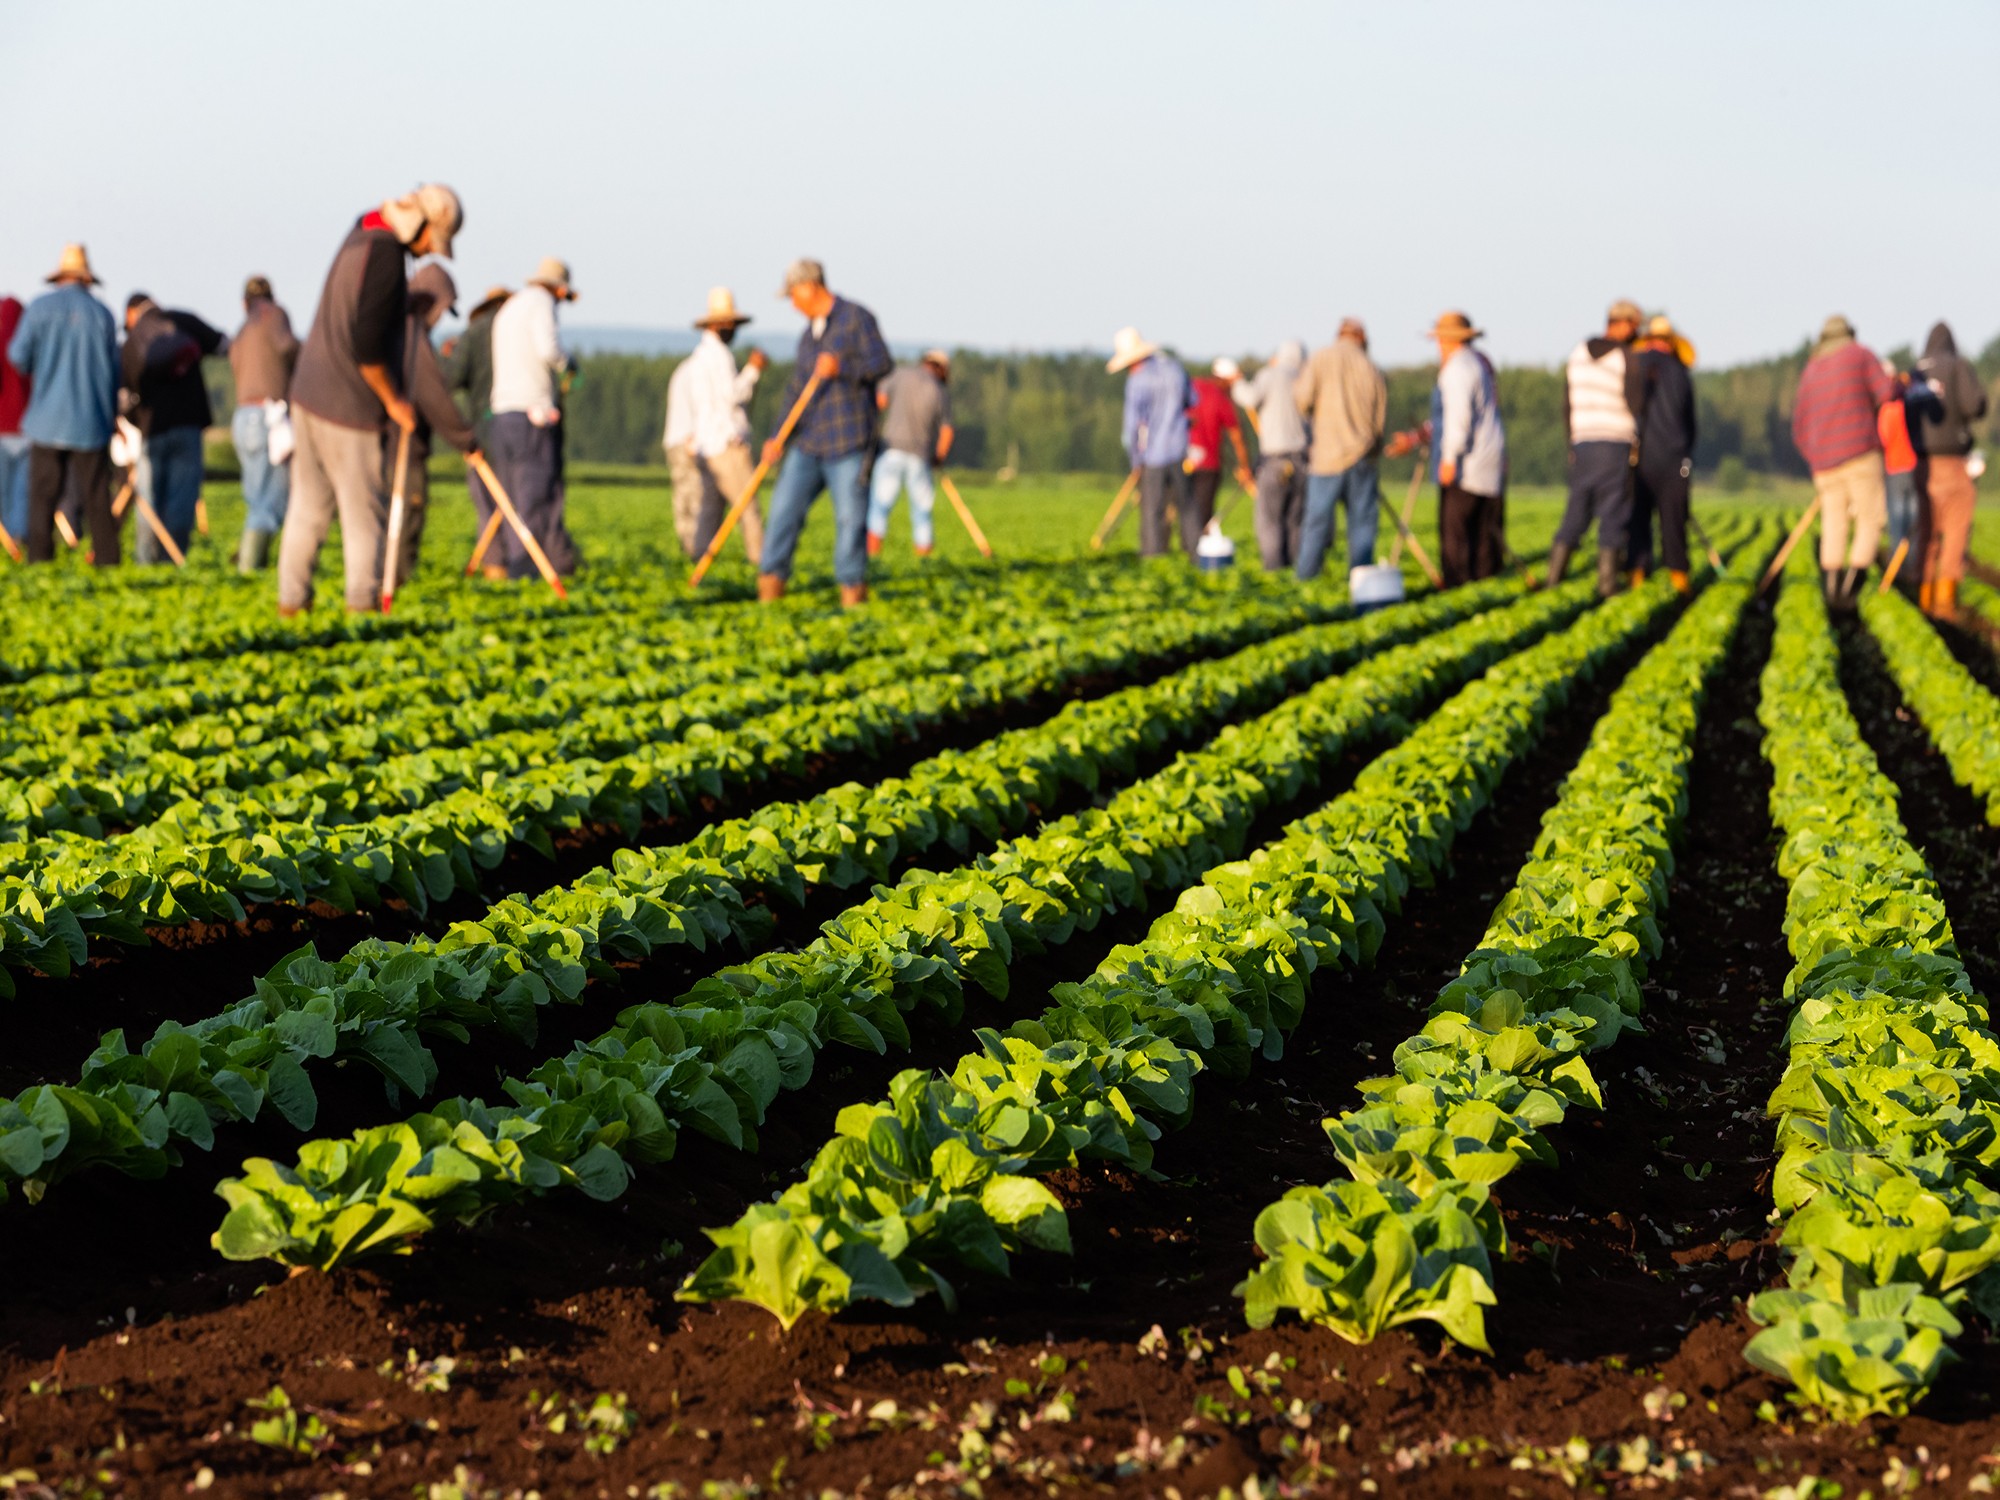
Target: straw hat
x,y
75,266
554,274
1226,368
1127,349
722,311
939,357
1457,324
1661,327
493,297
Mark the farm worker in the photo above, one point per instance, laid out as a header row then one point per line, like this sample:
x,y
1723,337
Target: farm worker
x,y
1902,501
1155,432
13,446
1211,417
1345,402
529,362
261,357
1468,454
842,344
1836,428
1281,454
344,395
165,397
916,431
432,295
1946,398
1602,395
708,431
1666,453
66,348
467,364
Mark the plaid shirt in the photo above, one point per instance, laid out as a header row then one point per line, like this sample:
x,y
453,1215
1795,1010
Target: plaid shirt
x,y
1834,413
841,418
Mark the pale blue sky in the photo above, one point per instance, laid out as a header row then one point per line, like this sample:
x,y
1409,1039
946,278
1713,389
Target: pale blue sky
x,y
1035,174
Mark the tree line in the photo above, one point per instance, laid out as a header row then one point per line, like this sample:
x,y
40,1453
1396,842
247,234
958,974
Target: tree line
x,y
1056,413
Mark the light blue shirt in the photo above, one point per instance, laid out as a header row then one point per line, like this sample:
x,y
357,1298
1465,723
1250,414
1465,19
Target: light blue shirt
x,y
67,346
1156,402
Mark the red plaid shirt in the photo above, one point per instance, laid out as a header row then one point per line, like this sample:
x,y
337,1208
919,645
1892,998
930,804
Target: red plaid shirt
x,y
1833,416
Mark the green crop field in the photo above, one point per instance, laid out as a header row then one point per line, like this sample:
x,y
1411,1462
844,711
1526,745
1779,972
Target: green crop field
x,y
1074,1023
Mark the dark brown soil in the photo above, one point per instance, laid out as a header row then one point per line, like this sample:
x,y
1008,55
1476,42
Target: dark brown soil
x,y
1620,1344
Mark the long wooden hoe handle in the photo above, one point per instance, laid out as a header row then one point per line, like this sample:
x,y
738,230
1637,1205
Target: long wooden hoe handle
x,y
165,536
485,540
1110,521
1785,552
1714,558
506,508
68,531
1409,505
396,503
750,490
1895,564
965,514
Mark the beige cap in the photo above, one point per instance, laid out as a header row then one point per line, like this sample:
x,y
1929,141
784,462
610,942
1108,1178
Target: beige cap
x,y
1624,311
1127,349
1354,329
1226,368
722,311
938,357
492,297
804,271
74,265
554,274
433,204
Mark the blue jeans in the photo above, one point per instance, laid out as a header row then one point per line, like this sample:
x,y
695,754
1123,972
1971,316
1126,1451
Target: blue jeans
x,y
14,487
266,486
1901,493
169,479
1358,492
801,477
893,470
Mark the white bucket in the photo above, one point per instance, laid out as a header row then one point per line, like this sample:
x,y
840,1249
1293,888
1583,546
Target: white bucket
x,y
1373,585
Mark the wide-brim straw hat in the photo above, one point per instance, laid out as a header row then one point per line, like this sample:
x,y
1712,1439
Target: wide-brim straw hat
x,y
722,311
493,297
1127,349
74,265
1457,324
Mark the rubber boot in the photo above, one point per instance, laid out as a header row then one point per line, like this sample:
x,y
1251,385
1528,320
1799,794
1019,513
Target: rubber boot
x,y
253,552
1558,560
1850,587
1607,572
1683,585
770,588
1944,599
875,544
1925,592
853,595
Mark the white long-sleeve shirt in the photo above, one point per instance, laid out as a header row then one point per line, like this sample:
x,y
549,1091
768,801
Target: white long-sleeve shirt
x,y
1470,432
527,354
706,397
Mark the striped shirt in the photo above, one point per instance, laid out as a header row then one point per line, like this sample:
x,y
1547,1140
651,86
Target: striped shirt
x,y
1598,393
1833,415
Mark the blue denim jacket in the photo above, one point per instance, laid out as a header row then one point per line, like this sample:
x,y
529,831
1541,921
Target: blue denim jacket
x,y
1156,400
67,346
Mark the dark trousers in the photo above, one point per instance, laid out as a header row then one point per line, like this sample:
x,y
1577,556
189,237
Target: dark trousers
x,y
1659,489
1160,485
50,471
1281,509
1469,531
1200,507
1600,489
528,461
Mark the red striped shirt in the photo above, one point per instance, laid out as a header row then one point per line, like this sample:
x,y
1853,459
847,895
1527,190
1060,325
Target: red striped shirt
x,y
1833,415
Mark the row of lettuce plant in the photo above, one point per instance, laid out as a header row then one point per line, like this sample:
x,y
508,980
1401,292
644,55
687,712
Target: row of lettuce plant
x,y
314,742
941,1177
714,1061
380,1002
1889,1108
1961,716
1501,1059
62,892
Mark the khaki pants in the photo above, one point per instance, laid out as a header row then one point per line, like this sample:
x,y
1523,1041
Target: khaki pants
x,y
334,468
704,489
1944,525
1853,500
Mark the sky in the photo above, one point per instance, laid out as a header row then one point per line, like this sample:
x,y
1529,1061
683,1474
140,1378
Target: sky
x,y
1033,175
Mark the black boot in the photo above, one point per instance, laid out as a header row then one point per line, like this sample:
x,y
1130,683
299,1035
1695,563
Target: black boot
x,y
1607,572
1558,560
